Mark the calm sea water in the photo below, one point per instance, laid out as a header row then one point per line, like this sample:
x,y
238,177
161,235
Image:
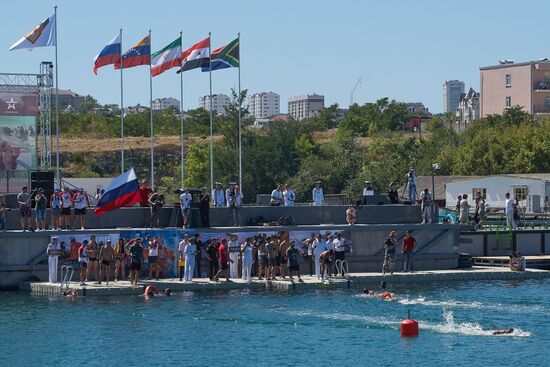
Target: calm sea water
x,y
332,328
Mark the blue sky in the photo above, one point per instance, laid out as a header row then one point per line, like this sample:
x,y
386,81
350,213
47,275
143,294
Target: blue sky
x,y
401,49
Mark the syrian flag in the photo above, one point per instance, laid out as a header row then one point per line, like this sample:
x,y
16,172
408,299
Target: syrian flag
x,y
197,56
41,36
167,58
122,191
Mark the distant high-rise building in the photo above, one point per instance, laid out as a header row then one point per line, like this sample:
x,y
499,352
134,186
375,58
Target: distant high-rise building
x,y
161,104
452,90
219,102
306,106
264,104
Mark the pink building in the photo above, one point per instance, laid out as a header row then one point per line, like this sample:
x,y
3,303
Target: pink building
x,y
526,84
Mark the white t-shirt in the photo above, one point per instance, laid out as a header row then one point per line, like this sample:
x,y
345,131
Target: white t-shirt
x,y
289,197
80,201
318,247
238,198
181,247
510,205
339,245
368,191
275,196
185,200
65,199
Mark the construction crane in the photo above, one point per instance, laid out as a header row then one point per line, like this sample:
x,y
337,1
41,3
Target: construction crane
x,y
353,91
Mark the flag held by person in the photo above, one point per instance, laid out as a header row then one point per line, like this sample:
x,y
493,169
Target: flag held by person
x,y
122,191
41,36
225,57
197,56
138,54
109,55
167,58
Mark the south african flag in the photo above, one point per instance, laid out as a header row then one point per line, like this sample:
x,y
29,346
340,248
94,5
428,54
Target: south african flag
x,y
225,57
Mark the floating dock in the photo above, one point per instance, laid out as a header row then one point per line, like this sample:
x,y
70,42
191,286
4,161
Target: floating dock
x,y
533,262
355,280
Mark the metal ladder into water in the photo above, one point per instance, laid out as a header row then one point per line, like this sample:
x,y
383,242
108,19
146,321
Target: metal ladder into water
x,y
67,272
342,268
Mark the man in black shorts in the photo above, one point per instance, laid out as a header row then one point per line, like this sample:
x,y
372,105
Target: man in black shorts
x,y
136,259
326,258
24,202
106,259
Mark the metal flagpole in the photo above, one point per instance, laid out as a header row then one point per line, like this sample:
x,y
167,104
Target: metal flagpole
x,y
181,119
121,110
151,115
57,173
211,119
240,102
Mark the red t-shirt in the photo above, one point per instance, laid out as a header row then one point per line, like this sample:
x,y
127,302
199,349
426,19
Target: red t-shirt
x,y
145,192
223,256
75,251
408,243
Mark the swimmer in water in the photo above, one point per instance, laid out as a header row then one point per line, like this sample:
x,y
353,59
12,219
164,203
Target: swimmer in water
x,y
384,295
505,331
70,293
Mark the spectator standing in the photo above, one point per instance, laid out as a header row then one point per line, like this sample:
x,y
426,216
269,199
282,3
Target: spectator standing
x,y
185,203
293,265
204,208
367,191
24,202
106,260
339,247
83,261
317,194
81,201
426,206
411,182
120,260
276,196
66,203
284,245
93,253
262,258
53,251
464,210
393,195
237,203
510,207
40,203
136,259
181,255
318,248
409,244
218,197
351,215
271,253
390,246
145,191
223,255
3,211
198,256
234,255
248,260
309,258
230,195
55,204
153,258
156,201
211,253
289,196
481,212
190,251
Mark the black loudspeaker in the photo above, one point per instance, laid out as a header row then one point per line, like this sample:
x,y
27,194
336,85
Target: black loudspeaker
x,y
43,180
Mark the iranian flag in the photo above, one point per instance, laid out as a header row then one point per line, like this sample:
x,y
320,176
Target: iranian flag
x,y
167,58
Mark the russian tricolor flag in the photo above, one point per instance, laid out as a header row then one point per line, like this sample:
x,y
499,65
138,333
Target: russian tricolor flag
x,y
109,55
122,191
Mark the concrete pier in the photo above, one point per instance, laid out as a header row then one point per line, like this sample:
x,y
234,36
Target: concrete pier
x,y
355,281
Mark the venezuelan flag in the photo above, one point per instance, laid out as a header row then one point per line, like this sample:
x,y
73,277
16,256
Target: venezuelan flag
x,y
138,54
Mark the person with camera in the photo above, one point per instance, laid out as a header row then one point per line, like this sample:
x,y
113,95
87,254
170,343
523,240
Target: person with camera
x,y
24,202
40,203
230,195
156,201
185,203
218,197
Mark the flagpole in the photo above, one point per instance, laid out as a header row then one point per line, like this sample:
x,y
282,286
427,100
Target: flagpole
x,y
121,110
211,119
151,115
57,173
240,103
181,119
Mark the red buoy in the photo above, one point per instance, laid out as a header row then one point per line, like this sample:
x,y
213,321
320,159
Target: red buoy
x,y
409,327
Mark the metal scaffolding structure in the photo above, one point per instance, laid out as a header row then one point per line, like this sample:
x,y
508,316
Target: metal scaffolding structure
x,y
41,84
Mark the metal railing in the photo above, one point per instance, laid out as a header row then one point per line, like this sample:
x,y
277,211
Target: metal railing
x,y
330,199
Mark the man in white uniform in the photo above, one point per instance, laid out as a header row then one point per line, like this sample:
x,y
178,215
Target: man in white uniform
x,y
53,251
185,203
189,251
510,205
234,255
181,254
289,196
218,197
248,259
318,248
367,191
317,194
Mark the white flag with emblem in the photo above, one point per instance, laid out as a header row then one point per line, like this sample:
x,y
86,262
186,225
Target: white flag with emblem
x,y
41,36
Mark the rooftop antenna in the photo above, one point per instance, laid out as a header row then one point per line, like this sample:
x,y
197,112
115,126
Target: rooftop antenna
x,y
353,91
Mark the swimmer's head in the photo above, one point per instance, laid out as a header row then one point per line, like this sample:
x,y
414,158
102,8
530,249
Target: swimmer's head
x,y
383,284
366,291
168,292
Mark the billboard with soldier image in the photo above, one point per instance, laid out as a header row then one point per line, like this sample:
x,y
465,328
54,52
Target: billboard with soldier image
x,y
18,113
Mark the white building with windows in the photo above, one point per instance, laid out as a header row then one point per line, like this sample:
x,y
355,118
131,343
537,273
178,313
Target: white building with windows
x,y
161,104
468,107
452,90
264,104
530,189
306,106
219,102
